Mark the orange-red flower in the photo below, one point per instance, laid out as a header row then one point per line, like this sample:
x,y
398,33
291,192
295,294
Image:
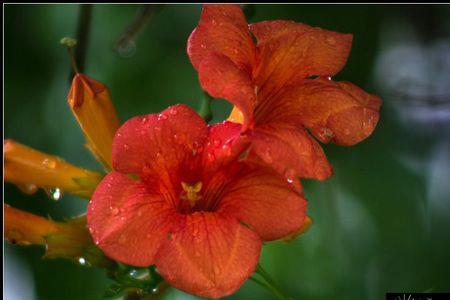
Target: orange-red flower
x,y
281,87
196,212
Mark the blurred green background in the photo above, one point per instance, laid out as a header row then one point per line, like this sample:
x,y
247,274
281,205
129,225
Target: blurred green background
x,y
381,223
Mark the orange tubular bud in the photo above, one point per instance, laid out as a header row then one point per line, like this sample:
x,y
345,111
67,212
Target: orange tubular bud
x,y
91,104
306,224
23,228
30,169
70,240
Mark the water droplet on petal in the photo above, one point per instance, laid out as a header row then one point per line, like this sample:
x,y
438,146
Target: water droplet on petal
x,y
122,239
203,46
216,270
268,155
173,111
126,146
325,134
331,40
214,22
216,142
114,210
211,157
162,117
226,148
49,163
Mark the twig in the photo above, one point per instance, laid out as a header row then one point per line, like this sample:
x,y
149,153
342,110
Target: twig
x,y
83,28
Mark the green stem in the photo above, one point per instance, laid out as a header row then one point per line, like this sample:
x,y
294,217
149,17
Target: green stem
x,y
205,109
270,284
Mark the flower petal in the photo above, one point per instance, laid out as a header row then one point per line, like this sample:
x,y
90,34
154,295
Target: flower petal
x,y
289,52
222,29
210,257
224,146
290,150
221,78
265,201
334,111
128,221
158,142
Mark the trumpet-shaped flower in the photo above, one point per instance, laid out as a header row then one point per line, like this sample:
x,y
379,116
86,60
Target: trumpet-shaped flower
x,y
281,87
180,198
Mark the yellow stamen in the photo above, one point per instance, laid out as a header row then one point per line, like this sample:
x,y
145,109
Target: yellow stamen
x,y
91,104
236,116
306,225
29,169
192,192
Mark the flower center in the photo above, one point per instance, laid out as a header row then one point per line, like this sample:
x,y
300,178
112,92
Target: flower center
x,y
191,192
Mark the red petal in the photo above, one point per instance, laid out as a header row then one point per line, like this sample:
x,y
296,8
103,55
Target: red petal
x,y
158,141
128,221
211,257
222,29
289,52
265,201
290,150
221,78
334,111
224,146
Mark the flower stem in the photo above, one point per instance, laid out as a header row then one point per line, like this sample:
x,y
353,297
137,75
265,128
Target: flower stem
x,y
270,284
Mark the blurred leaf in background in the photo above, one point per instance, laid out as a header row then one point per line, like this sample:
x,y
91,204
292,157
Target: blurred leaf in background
x,y
381,223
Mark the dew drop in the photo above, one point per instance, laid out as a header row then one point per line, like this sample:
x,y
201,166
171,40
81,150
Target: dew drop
x,y
126,146
114,210
197,253
54,193
82,261
216,270
203,46
331,41
49,163
122,239
155,290
325,133
214,22
227,148
173,111
28,188
162,117
290,180
268,155
211,157
216,142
